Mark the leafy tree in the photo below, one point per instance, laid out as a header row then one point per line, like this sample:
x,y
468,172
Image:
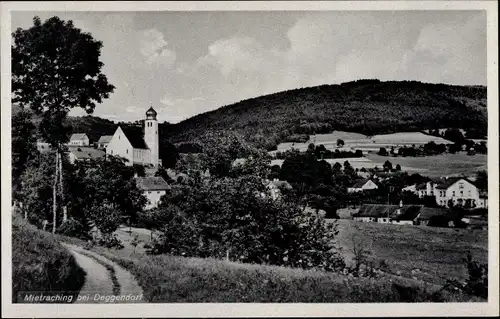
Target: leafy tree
x,y
481,181
387,166
36,189
398,167
340,142
55,68
105,191
23,148
454,135
382,152
227,217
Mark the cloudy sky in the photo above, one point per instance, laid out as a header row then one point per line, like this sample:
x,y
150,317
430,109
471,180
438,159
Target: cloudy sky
x,y
186,63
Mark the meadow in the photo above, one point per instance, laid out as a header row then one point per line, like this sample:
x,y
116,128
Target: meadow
x,y
418,258
363,142
437,165
430,254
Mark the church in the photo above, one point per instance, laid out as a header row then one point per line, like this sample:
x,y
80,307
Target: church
x,y
137,147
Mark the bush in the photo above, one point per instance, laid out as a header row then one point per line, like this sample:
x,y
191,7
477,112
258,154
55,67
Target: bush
x,y
74,228
41,264
109,241
234,219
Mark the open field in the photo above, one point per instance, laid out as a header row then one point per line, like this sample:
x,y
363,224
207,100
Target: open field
x,y
438,165
426,253
363,142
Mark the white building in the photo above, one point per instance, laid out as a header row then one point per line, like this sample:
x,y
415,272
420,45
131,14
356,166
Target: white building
x,y
84,154
104,141
461,191
135,146
79,139
362,185
153,188
388,214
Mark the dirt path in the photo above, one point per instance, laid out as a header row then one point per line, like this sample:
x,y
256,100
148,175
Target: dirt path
x,y
106,281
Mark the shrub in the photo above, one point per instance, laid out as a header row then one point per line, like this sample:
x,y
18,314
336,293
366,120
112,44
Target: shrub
x,y
109,241
73,228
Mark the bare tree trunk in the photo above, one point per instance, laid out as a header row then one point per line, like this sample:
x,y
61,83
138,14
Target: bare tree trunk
x,y
54,196
61,188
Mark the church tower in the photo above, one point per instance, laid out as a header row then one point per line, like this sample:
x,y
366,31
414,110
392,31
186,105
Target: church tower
x,y
151,135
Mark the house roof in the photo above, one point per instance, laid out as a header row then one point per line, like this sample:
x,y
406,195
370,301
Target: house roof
x,y
105,139
152,183
444,184
86,152
421,186
78,136
406,212
135,137
361,183
427,213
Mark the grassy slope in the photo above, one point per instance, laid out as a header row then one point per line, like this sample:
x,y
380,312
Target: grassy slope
x,y
40,263
176,279
436,252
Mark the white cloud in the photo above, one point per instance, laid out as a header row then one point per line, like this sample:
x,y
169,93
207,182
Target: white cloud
x,y
154,48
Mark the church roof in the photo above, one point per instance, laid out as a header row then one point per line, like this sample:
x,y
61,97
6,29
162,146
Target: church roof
x,y
151,111
135,137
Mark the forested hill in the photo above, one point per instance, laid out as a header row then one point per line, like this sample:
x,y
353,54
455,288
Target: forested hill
x,y
364,106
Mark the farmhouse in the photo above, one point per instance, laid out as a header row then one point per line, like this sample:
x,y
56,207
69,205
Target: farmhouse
x,y
153,188
79,139
430,216
137,148
388,214
362,185
84,154
104,141
458,190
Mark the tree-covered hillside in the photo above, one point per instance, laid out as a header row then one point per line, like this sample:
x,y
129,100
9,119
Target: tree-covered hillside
x,y
364,106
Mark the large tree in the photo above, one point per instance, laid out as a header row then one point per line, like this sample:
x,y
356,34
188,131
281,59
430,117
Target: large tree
x,y
23,148
55,68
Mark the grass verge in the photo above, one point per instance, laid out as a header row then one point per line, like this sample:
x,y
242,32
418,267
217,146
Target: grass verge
x,y
40,265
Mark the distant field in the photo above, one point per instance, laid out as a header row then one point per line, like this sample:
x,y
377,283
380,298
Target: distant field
x,y
356,162
438,165
362,142
436,252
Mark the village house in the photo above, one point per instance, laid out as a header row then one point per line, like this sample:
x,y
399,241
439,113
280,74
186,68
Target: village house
x,y
362,185
388,214
84,154
103,141
135,146
153,188
458,190
79,139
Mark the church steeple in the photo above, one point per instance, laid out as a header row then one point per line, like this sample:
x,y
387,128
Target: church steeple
x,y
151,114
151,135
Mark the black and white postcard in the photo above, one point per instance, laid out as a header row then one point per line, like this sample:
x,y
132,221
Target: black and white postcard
x,y
249,158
